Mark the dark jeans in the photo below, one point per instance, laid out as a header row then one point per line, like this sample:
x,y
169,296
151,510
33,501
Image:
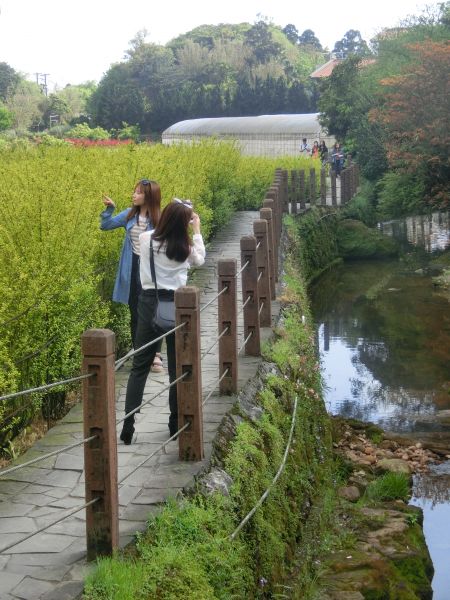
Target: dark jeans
x,y
142,361
135,290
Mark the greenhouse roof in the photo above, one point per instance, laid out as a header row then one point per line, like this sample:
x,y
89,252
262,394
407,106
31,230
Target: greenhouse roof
x,y
263,124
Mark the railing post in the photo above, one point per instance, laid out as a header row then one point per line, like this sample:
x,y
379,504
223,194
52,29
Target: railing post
x,y
342,178
227,319
312,187
284,190
301,191
323,187
268,203
294,191
260,227
189,389
273,193
100,454
250,290
333,188
266,214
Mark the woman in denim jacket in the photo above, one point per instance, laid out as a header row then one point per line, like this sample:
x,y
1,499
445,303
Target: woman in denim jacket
x,y
142,216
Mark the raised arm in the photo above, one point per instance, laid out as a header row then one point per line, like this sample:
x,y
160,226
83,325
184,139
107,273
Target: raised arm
x,y
107,220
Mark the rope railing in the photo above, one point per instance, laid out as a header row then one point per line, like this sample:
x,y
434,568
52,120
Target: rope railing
x,y
250,514
47,386
41,529
259,276
45,456
261,308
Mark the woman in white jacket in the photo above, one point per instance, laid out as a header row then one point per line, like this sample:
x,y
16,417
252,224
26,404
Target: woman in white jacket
x,y
174,253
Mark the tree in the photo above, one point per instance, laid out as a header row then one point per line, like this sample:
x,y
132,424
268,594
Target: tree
x,y
259,39
290,31
351,43
6,118
414,109
8,80
308,38
118,98
55,105
24,104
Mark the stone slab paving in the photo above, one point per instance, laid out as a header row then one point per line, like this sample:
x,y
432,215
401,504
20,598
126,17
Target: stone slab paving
x,y
52,565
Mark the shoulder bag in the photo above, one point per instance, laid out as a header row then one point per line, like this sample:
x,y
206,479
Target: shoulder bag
x,y
164,317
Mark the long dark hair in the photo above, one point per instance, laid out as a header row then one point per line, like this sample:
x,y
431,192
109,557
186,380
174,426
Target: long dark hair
x,y
152,200
172,230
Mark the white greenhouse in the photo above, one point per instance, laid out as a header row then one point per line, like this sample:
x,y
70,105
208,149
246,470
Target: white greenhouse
x,y
265,135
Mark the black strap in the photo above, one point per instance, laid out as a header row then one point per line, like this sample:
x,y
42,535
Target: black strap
x,y
152,266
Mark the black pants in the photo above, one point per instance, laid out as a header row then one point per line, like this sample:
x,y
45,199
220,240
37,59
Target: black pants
x,y
142,361
135,291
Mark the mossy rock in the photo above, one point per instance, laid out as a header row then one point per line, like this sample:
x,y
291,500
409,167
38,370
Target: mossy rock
x,y
355,241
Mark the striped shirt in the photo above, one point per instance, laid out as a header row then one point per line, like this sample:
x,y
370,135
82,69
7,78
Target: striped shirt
x,y
138,228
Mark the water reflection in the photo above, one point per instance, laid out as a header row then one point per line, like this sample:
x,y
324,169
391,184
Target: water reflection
x,y
384,341
432,494
431,232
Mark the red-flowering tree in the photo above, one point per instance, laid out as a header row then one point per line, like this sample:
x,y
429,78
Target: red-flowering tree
x,y
415,111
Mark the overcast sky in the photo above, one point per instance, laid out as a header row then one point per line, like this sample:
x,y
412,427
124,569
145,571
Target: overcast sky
x,y
77,41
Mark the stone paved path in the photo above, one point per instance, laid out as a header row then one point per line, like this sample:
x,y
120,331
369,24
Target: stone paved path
x,y
52,564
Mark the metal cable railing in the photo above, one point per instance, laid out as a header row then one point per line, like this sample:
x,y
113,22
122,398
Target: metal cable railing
x,y
158,449
250,514
45,456
46,387
41,529
137,409
261,308
245,342
121,361
214,299
242,268
224,374
241,310
215,343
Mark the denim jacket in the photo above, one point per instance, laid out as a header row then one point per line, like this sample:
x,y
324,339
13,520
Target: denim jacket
x,y
121,291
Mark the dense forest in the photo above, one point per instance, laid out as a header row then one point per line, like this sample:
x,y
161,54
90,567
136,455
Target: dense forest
x,y
211,71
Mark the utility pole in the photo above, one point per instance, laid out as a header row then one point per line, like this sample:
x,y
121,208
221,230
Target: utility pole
x,y
41,80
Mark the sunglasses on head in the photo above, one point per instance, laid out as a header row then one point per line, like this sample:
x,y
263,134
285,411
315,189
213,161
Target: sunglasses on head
x,y
146,181
187,203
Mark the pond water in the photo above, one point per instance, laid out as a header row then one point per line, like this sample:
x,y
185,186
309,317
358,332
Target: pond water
x,y
384,340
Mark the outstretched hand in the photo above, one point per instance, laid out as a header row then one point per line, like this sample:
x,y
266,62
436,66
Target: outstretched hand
x,y
107,201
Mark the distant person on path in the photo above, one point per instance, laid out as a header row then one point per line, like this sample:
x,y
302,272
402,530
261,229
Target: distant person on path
x,y
315,153
141,216
174,253
305,149
337,158
323,152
